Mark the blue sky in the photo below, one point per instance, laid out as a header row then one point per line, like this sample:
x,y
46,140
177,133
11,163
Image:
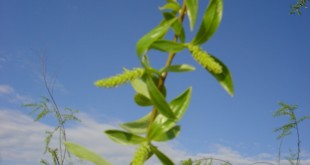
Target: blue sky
x,y
266,49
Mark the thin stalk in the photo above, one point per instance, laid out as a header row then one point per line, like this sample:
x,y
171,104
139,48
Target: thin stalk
x,y
62,133
170,58
279,151
298,143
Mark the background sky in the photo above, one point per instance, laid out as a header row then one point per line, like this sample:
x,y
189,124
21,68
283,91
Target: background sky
x,y
266,49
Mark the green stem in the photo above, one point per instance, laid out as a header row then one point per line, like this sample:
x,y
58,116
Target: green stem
x,y
62,131
298,143
170,58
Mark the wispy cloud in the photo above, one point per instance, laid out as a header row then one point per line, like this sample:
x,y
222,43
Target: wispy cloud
x,y
22,142
5,89
3,59
8,94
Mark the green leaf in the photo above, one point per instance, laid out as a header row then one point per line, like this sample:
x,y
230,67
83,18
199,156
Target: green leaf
x,y
169,135
42,114
192,10
179,68
146,41
177,26
179,30
85,154
211,21
224,78
167,46
159,127
142,100
161,156
171,1
158,99
302,119
48,139
138,126
162,124
122,137
163,90
30,105
179,104
174,6
140,87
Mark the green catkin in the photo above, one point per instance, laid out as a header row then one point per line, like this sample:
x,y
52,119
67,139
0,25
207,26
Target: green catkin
x,y
142,154
204,59
120,79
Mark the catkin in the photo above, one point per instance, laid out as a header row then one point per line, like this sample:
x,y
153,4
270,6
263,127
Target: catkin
x,y
205,60
142,154
120,79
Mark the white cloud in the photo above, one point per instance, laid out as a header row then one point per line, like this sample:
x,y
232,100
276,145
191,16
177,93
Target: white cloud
x,y
10,95
22,142
3,60
5,89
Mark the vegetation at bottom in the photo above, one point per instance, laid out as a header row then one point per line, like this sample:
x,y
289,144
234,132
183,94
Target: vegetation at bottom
x,y
296,8
161,123
49,106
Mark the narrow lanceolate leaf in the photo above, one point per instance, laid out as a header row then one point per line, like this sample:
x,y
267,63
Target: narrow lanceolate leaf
x,y
142,154
162,124
138,126
179,68
167,46
158,99
169,135
142,100
85,154
211,21
169,1
48,139
42,114
224,78
146,41
140,87
161,156
192,10
174,6
122,137
120,79
302,119
176,26
179,30
179,104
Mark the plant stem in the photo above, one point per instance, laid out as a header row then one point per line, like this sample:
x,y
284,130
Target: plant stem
x,y
298,143
62,132
279,151
170,58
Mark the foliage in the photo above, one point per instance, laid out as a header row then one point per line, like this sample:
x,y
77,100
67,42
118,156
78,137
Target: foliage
x,y
161,123
297,7
286,130
46,106
204,161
